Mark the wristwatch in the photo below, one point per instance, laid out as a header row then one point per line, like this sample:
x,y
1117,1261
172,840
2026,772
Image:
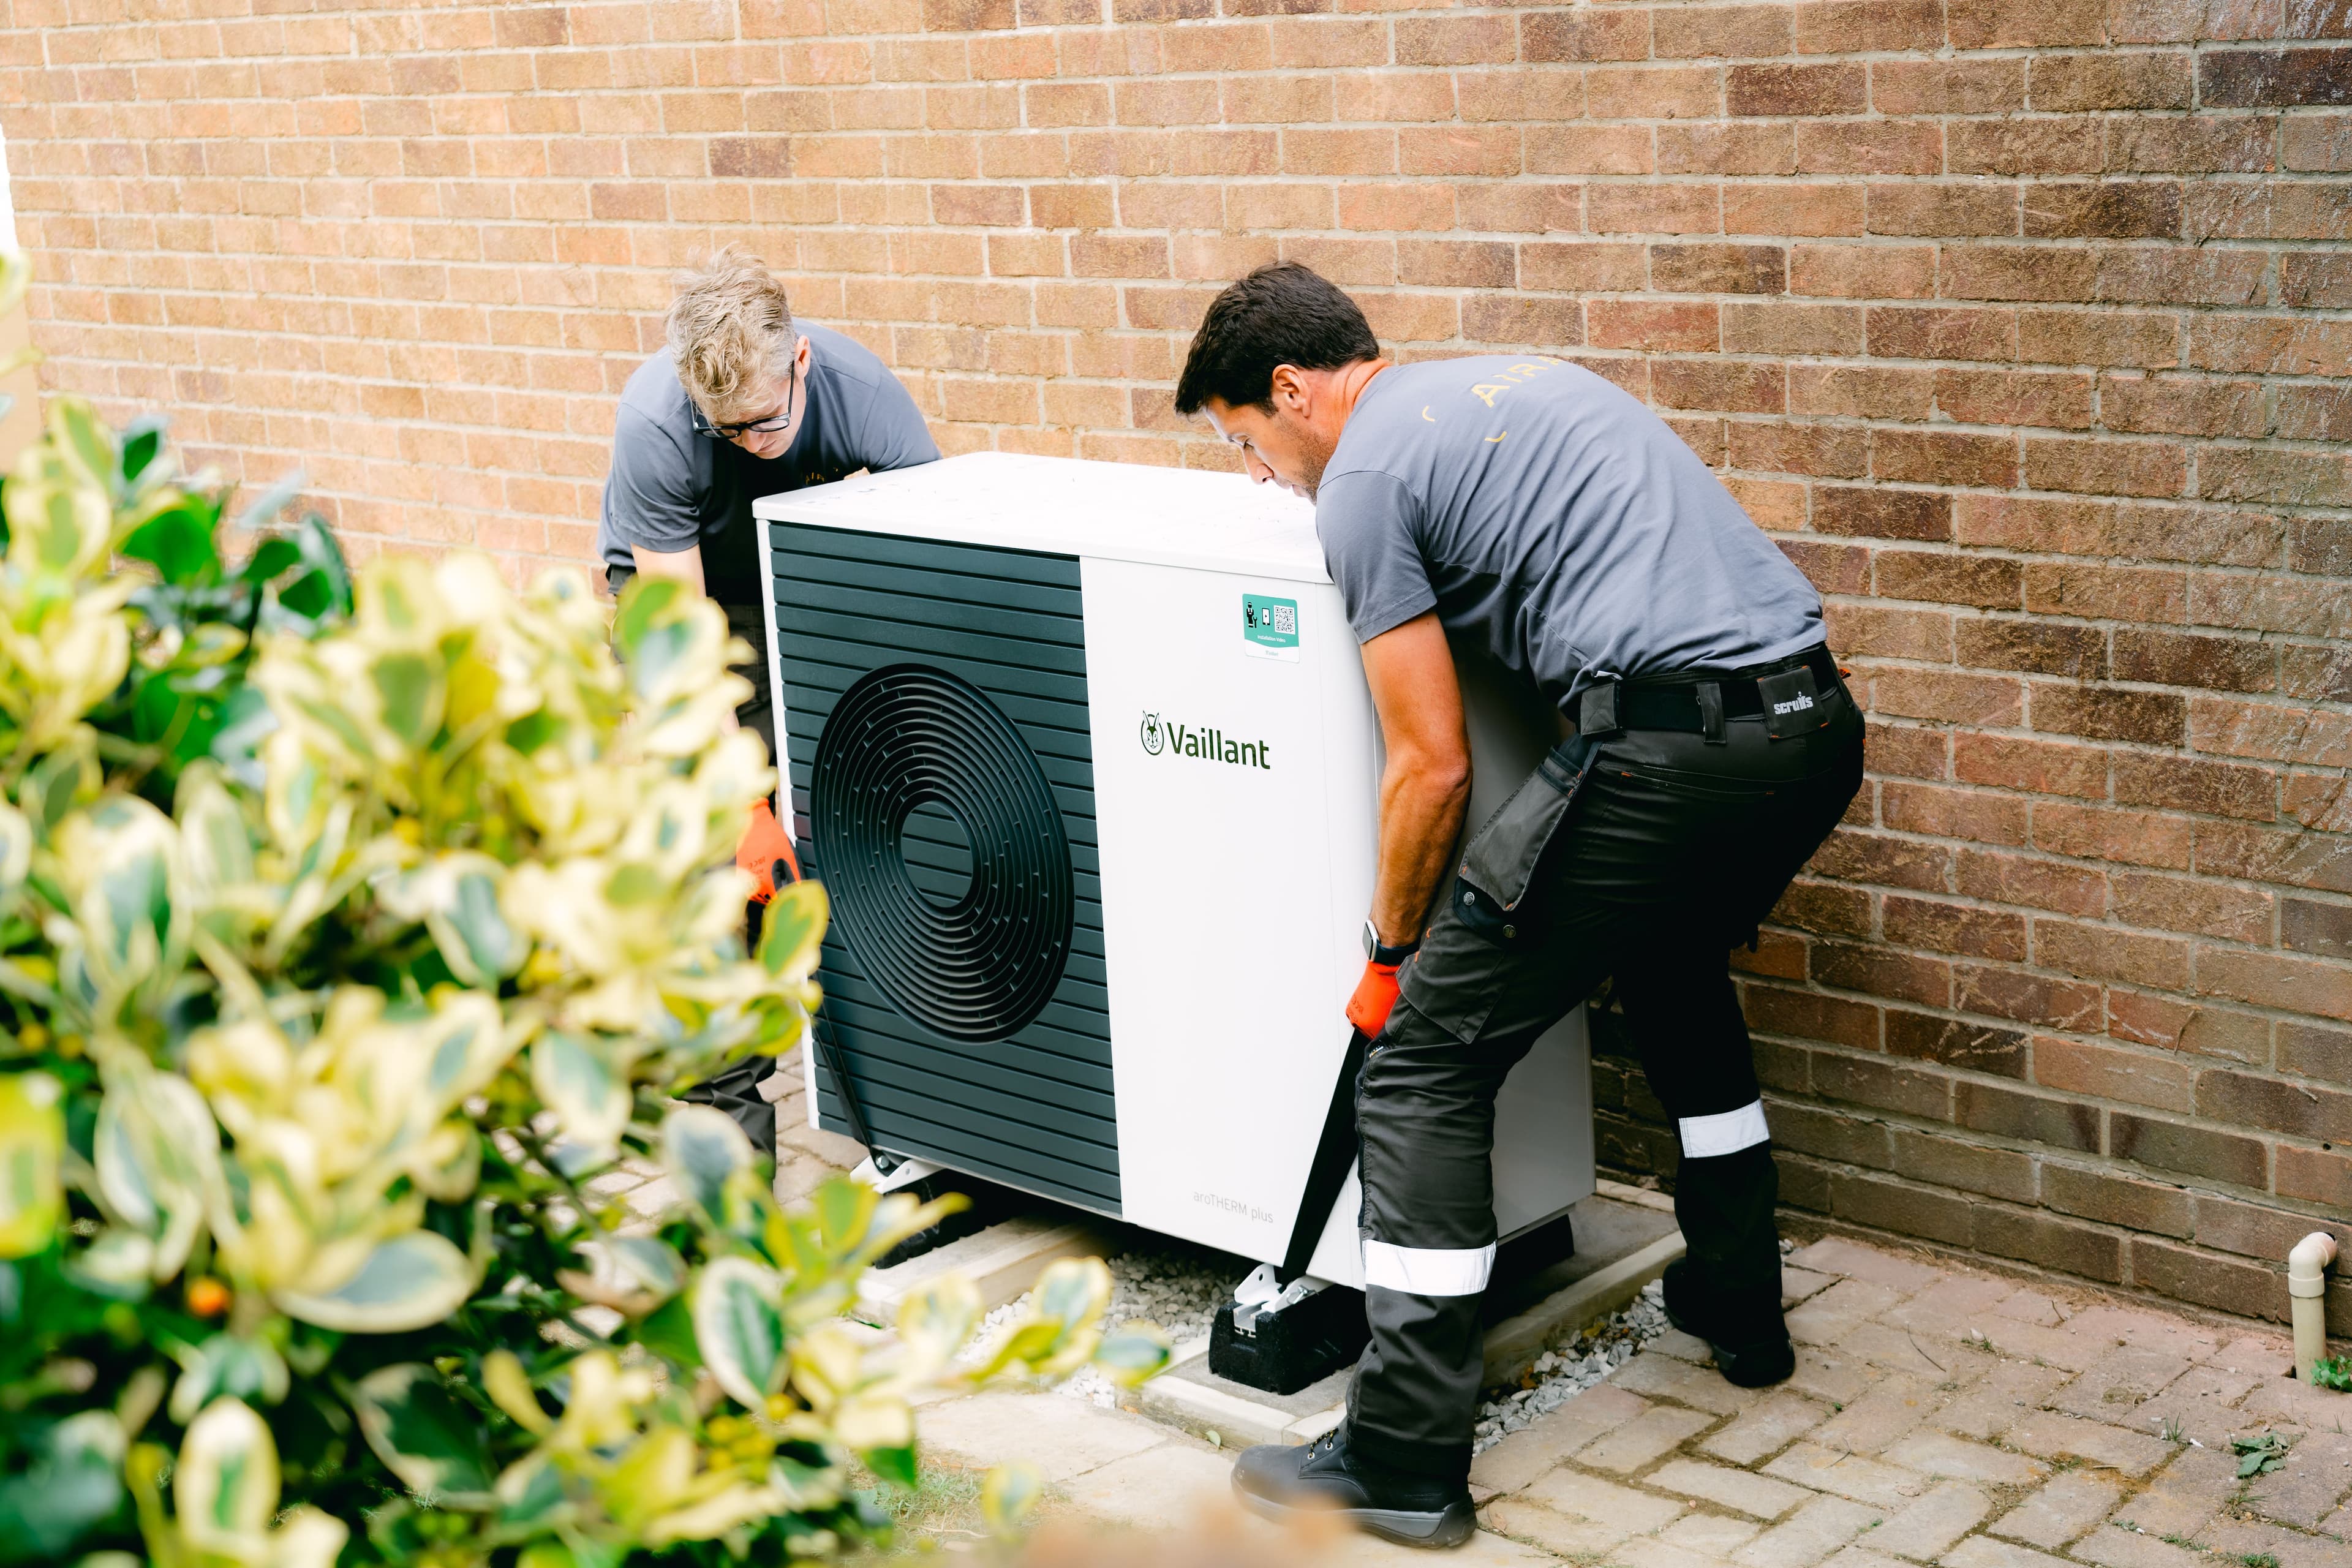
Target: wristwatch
x,y
1381,953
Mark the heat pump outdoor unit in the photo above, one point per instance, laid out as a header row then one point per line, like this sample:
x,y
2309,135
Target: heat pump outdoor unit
x,y
1084,756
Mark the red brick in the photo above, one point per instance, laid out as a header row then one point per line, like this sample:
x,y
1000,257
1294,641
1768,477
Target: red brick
x,y
1862,271
1991,581
1797,89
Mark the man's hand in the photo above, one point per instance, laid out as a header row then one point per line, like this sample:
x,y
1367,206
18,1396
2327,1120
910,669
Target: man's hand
x,y
766,851
1426,784
1375,998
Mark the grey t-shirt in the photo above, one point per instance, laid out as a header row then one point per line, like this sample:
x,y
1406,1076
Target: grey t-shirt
x,y
671,488
1555,525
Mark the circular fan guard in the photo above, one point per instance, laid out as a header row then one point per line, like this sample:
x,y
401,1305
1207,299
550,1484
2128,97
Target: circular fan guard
x,y
982,966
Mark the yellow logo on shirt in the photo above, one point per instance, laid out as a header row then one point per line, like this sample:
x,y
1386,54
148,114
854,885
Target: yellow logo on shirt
x,y
1486,392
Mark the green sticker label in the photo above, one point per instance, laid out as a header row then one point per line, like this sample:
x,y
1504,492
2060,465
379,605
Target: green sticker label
x,y
1270,626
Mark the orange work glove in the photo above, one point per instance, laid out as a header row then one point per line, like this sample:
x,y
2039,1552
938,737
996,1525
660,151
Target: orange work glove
x,y
1376,994
766,851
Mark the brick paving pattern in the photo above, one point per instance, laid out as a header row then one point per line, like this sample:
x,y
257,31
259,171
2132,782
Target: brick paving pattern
x,y
1940,1416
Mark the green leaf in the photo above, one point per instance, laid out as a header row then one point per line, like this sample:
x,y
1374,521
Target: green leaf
x,y
424,1434
590,1099
227,1364
1135,1353
179,541
411,696
1007,1497
408,1282
32,1143
845,1212
325,589
739,1329
83,438
701,1147
791,929
269,558
644,601
669,1331
73,1484
895,1465
143,441
224,1487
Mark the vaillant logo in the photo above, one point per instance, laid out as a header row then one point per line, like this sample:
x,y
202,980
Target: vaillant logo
x,y
1160,737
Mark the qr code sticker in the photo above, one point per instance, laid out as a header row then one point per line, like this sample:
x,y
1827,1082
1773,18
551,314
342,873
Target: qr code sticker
x,y
1286,619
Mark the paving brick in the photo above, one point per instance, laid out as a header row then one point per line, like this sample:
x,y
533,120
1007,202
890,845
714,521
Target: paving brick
x,y
2200,1404
1663,1377
1982,1552
1810,1534
1801,1284
1766,1428
2184,1495
1750,1494
1657,1552
1848,1474
2068,1505
2053,1436
1835,1255
1927,1528
1719,1535
2306,1488
1522,1456
2144,1331
1570,1536
2118,1382
2113,1548
1828,1377
1896,1405
1999,1400
1660,1429
1941,1454
1611,1509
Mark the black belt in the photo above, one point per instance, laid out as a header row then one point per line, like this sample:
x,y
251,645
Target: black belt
x,y
1699,701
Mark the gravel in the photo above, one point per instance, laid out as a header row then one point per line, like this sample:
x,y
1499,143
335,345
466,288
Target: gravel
x,y
1569,1368
1558,1374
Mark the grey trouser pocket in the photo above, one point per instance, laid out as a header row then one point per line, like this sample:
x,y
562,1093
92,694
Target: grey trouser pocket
x,y
1498,866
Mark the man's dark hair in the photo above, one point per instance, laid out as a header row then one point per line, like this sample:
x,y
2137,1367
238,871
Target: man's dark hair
x,y
1283,313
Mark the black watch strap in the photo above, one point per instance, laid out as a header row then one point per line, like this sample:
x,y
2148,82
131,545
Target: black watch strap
x,y
1381,952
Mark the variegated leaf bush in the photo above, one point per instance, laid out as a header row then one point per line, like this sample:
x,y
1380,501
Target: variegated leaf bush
x,y
350,932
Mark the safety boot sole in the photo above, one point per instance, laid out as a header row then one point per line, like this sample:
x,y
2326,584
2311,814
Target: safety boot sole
x,y
1406,1527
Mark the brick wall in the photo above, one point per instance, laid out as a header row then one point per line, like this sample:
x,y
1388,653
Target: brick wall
x,y
2025,325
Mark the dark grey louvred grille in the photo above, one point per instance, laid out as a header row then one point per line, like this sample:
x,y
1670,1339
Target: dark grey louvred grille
x,y
963,973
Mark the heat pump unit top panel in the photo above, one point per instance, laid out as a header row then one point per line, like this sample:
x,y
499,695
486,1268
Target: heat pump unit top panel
x,y
942,784
1110,511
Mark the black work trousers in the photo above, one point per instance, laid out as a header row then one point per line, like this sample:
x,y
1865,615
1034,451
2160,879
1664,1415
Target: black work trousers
x,y
1668,853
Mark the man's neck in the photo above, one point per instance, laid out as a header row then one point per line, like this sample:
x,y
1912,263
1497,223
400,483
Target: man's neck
x,y
1349,382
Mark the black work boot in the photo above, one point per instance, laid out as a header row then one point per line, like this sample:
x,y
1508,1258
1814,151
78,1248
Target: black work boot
x,y
1280,1479
1727,1290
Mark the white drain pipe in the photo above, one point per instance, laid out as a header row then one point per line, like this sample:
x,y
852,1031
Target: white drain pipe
x,y
2306,1288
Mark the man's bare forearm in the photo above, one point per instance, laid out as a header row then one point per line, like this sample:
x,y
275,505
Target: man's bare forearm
x,y
1421,817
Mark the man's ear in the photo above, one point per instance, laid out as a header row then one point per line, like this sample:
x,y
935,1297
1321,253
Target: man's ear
x,y
1289,389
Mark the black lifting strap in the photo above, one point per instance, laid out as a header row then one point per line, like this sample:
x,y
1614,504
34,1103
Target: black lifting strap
x,y
1334,1153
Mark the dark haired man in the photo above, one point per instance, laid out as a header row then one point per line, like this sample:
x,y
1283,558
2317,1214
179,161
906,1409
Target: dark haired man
x,y
1521,510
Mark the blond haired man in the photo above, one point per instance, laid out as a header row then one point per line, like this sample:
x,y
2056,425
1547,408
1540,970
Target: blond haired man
x,y
743,402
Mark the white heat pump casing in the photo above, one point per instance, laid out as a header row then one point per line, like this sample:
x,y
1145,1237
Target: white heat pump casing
x,y
1234,891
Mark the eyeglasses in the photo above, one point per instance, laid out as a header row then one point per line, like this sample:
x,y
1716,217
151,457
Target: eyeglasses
x,y
772,424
